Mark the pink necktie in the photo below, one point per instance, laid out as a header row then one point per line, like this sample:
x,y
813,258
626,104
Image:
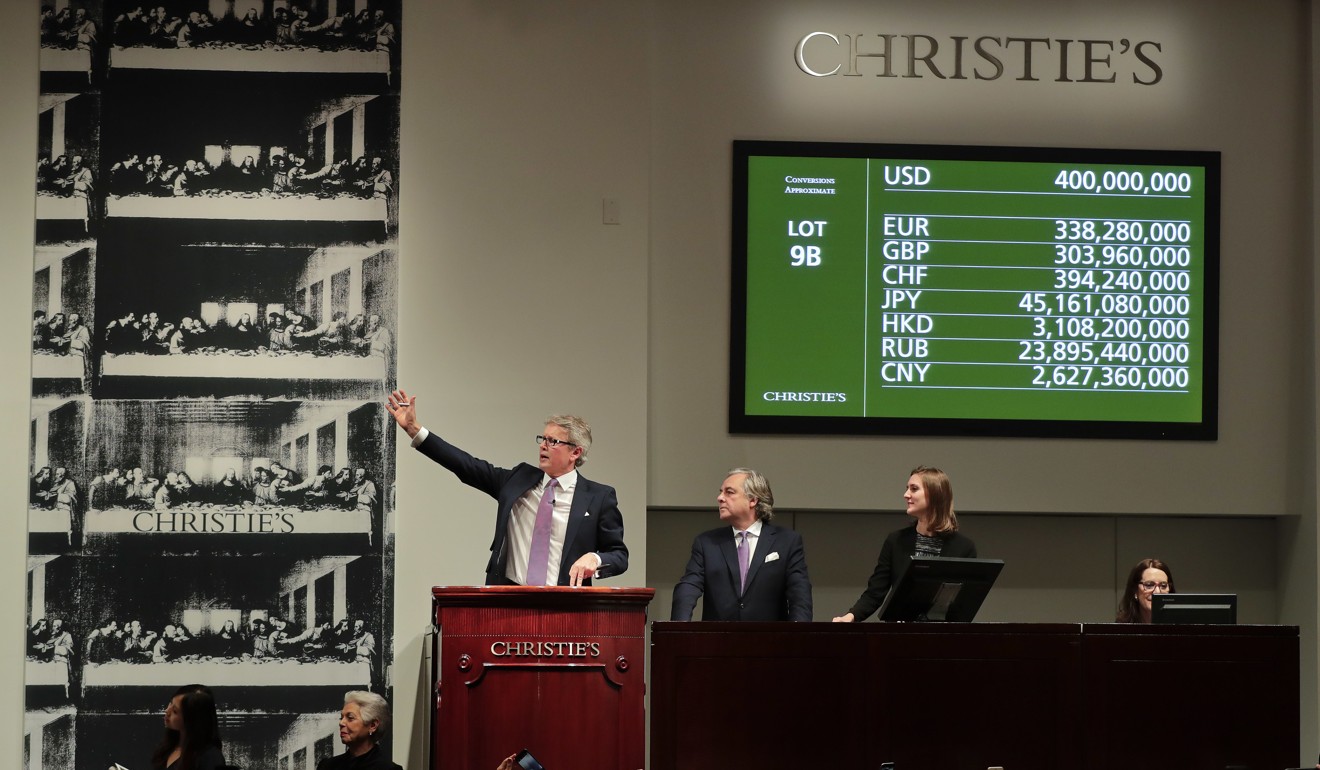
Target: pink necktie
x,y
538,559
744,559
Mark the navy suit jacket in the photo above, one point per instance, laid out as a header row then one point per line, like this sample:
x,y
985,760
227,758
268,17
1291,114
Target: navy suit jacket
x,y
778,587
594,521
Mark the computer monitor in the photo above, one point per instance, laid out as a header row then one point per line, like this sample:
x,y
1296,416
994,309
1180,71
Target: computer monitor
x,y
1208,609
941,589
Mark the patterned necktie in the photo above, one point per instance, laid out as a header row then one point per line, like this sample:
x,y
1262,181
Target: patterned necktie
x,y
744,559
538,559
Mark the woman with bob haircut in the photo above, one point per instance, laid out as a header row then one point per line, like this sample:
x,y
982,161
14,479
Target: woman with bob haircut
x,y
192,732
929,499
362,723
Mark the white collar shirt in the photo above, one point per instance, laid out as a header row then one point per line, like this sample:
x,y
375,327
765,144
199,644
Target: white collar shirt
x,y
753,536
522,521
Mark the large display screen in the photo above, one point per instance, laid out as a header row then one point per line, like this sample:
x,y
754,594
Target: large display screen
x,y
1007,291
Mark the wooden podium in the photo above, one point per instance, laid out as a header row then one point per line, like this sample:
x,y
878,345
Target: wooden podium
x,y
557,671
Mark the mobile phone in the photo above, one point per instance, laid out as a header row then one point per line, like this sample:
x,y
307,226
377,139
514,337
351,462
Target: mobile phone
x,y
526,761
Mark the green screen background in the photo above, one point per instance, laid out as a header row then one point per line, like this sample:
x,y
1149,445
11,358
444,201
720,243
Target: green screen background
x,y
818,329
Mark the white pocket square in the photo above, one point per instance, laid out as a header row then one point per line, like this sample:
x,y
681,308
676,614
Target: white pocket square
x,y
772,556
585,515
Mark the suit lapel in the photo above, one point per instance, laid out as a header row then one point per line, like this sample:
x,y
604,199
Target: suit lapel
x,y
530,479
505,513
729,548
577,513
763,549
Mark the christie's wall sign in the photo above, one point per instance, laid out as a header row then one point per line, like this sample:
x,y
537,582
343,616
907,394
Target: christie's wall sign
x,y
987,57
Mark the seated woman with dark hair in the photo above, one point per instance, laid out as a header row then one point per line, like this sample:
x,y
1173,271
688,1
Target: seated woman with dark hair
x,y
1147,578
192,732
362,723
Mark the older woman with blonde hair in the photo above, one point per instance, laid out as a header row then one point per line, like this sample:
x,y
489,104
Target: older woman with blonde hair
x,y
362,723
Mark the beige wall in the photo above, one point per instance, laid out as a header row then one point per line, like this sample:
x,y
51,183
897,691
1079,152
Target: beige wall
x,y
1237,80
1209,99
519,118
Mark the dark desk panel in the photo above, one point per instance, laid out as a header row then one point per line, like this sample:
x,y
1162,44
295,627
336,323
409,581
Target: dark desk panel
x,y
1160,697
971,696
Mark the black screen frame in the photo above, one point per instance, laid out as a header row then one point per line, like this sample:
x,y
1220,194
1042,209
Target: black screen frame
x,y
740,422
1194,609
910,597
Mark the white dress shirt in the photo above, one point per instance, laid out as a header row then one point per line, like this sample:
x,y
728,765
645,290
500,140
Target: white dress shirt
x,y
753,536
522,522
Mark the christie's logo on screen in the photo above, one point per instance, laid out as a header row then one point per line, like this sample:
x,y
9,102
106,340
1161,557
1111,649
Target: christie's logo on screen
x,y
782,395
958,57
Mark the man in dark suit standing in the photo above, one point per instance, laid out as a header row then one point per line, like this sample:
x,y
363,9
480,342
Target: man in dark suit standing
x,y
552,525
748,569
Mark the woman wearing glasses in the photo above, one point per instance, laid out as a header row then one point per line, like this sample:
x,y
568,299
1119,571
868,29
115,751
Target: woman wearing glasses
x,y
1147,578
929,501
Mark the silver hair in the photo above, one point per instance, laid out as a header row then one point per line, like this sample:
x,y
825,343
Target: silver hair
x,y
579,433
372,707
757,486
